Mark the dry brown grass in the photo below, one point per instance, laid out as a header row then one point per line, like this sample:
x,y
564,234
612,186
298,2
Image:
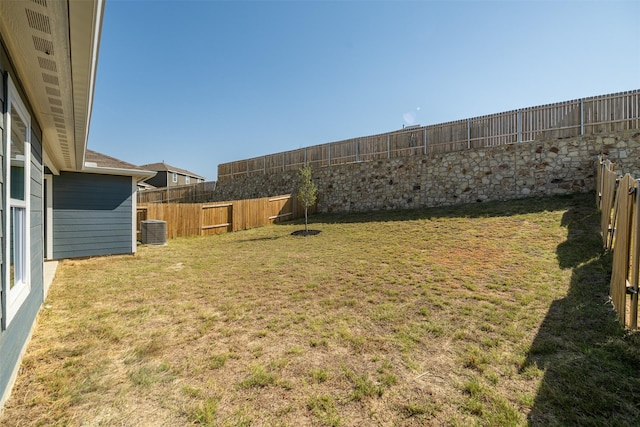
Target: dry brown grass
x,y
399,318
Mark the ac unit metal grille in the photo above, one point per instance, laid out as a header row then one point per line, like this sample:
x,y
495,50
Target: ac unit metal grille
x,y
154,232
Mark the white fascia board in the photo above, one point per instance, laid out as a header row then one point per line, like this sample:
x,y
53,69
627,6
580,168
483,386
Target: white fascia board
x,y
85,19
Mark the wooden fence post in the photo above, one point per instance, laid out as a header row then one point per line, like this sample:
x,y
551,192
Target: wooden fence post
x,y
201,220
388,146
582,116
424,134
636,259
519,126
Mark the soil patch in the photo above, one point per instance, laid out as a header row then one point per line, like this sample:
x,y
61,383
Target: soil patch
x,y
305,232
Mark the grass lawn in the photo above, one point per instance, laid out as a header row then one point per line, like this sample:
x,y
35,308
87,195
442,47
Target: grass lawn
x,y
486,314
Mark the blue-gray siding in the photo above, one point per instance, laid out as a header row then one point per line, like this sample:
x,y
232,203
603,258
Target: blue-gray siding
x,y
92,215
37,212
13,337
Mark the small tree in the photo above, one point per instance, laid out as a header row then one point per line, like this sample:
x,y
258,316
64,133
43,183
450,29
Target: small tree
x,y
307,192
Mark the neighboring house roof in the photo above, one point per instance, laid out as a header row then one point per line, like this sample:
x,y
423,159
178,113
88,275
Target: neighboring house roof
x,y
163,167
104,161
101,163
54,48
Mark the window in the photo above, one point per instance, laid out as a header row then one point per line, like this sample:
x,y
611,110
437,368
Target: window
x,y
175,177
18,132
187,180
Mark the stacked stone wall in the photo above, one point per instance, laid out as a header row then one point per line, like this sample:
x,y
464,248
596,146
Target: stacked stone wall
x,y
503,172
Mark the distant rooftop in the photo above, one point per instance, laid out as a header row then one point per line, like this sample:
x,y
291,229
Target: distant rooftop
x,y
163,167
104,161
95,162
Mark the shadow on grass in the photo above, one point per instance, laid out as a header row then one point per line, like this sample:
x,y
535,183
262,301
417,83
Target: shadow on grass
x,y
259,239
591,364
473,210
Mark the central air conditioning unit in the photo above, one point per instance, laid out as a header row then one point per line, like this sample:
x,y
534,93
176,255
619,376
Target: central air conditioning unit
x,y
154,232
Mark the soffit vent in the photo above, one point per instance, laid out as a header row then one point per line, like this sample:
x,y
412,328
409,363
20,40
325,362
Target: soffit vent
x,y
43,45
57,110
47,64
40,2
52,91
54,101
50,79
38,21
58,119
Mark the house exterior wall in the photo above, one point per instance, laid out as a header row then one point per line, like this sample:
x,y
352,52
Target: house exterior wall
x,y
159,181
92,215
182,180
15,336
165,179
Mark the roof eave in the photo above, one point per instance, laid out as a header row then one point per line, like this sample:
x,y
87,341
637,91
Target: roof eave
x,y
84,52
139,174
53,54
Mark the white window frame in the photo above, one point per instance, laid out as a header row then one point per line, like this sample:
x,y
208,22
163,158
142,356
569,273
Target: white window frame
x,y
187,180
174,177
17,295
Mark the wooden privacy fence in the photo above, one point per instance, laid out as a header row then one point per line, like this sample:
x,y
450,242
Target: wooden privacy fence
x,y
619,203
193,193
606,113
201,219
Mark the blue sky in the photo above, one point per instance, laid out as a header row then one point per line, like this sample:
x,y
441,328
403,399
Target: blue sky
x,y
199,83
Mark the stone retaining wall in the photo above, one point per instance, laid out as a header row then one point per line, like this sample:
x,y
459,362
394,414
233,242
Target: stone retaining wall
x,y
503,172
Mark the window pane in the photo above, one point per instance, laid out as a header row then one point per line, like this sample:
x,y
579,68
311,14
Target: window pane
x,y
18,138
18,251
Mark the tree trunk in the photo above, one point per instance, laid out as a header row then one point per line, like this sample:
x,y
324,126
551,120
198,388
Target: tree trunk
x,y
306,226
